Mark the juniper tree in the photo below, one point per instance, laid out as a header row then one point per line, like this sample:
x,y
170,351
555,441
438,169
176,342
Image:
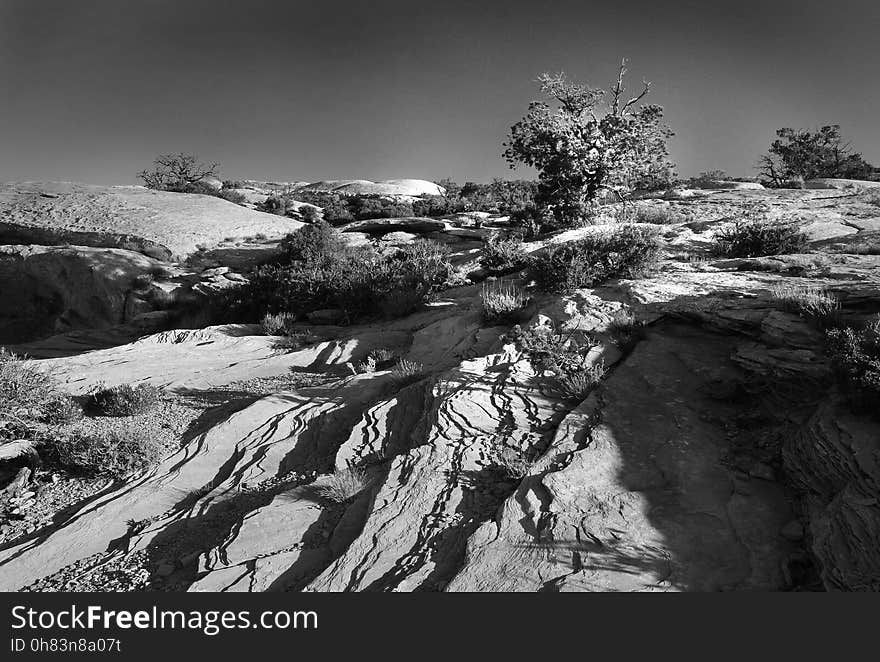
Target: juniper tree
x,y
585,140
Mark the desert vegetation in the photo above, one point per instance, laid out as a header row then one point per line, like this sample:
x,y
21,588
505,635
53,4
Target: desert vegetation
x,y
343,485
855,352
625,251
503,303
800,154
503,255
116,452
811,303
318,273
31,405
39,422
123,400
584,141
758,237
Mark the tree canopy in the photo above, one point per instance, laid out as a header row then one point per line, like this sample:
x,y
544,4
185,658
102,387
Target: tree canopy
x,y
583,140
804,154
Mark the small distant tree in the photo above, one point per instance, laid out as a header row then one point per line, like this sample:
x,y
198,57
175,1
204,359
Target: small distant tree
x,y
177,172
586,140
800,154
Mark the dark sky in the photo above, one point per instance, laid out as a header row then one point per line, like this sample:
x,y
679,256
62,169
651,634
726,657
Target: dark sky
x,y
93,90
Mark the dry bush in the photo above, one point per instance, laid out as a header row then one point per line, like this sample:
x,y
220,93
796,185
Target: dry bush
x,y
513,463
758,238
812,303
365,366
503,303
407,372
855,353
626,251
503,256
626,331
655,215
123,400
549,349
31,404
382,355
117,452
342,485
576,386
277,324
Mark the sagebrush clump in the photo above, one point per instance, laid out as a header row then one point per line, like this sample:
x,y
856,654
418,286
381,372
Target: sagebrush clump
x,y
759,238
318,272
503,303
117,452
123,400
550,349
31,404
626,331
855,354
503,255
514,464
576,386
277,324
343,485
407,372
626,251
811,303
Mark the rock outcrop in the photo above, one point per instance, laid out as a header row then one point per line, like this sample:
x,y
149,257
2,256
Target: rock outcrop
x,y
49,290
713,455
163,225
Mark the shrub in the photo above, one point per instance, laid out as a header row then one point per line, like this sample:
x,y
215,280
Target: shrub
x,y
811,303
280,205
549,349
626,331
117,452
25,391
30,402
365,208
60,410
407,372
503,256
343,485
358,281
312,243
179,172
124,400
232,196
759,237
576,386
310,214
661,215
382,355
503,303
855,353
365,366
626,251
514,464
277,324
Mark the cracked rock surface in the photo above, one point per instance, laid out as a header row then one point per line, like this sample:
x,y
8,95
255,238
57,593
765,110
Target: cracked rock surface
x,y
714,455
